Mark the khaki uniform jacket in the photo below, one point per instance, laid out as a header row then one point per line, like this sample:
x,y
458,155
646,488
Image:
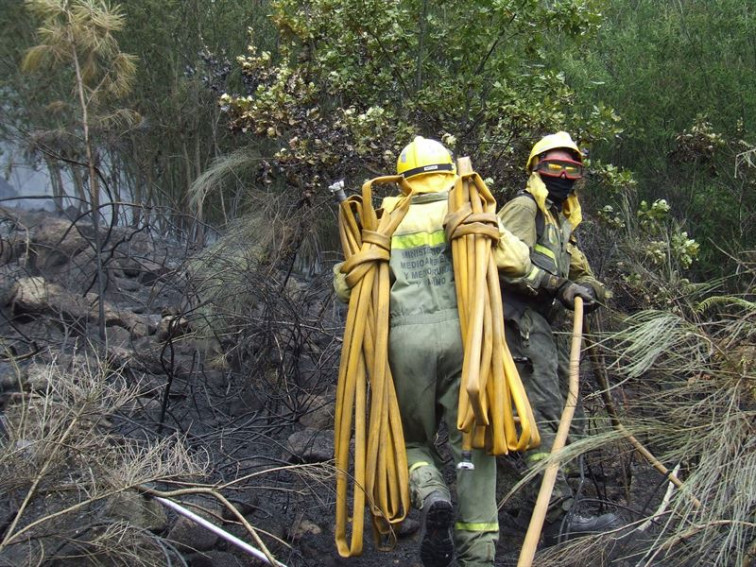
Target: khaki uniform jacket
x,y
422,275
553,252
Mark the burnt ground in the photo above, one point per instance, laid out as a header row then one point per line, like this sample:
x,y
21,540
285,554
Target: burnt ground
x,y
253,400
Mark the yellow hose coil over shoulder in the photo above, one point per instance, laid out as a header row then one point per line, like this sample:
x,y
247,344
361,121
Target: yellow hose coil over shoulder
x,y
494,411
379,472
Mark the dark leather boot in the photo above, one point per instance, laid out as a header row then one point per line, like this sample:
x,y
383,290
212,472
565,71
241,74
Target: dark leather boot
x,y
576,525
436,543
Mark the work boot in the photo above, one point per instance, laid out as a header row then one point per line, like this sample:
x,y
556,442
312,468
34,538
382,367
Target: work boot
x,y
576,525
436,544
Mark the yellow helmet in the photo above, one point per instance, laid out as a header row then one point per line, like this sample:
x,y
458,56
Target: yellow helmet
x,y
560,140
423,155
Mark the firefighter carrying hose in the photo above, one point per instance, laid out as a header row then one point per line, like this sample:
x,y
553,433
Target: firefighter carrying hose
x,y
426,357
544,216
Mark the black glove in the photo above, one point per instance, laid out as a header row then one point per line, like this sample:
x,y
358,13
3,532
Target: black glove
x,y
568,291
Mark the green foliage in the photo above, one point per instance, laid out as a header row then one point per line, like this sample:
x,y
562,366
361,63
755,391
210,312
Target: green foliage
x,y
353,81
699,143
610,179
77,43
152,161
80,32
183,45
681,76
16,39
652,255
663,63
719,301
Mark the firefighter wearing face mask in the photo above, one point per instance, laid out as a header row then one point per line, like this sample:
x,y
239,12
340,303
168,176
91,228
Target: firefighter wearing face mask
x,y
426,355
544,216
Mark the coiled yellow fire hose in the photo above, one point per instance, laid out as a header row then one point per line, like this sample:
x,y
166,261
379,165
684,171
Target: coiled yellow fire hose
x,y
494,411
491,389
380,470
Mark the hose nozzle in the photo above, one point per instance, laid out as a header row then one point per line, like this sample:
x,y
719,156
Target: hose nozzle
x,y
337,190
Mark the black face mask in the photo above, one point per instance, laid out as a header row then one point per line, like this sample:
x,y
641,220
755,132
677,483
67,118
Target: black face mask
x,y
559,187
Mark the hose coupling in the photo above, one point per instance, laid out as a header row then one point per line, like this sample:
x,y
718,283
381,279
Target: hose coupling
x,y
466,464
337,190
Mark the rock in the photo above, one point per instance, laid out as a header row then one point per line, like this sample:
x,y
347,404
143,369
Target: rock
x,y
8,277
245,402
310,446
29,294
126,284
320,414
172,326
143,270
12,378
56,241
138,510
13,239
118,337
302,528
245,502
253,464
120,356
186,534
36,295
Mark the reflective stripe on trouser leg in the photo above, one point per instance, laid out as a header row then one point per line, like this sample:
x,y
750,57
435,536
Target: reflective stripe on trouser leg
x,y
476,531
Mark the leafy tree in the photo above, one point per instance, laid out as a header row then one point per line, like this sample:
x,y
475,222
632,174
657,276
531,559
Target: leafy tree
x,y
681,76
353,81
663,64
78,35
183,45
33,126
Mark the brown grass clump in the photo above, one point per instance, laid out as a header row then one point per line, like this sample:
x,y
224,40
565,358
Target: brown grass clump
x,y
62,467
689,379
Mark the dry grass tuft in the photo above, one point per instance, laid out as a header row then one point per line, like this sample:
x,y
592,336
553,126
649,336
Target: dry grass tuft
x,y
60,465
697,408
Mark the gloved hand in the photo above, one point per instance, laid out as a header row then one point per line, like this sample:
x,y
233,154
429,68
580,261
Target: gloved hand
x,y
568,291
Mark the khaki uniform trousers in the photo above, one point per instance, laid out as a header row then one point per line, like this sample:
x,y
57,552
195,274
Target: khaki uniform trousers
x,y
545,376
426,362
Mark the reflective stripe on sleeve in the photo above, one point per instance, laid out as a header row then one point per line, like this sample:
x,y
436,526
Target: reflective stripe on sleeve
x,y
534,276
